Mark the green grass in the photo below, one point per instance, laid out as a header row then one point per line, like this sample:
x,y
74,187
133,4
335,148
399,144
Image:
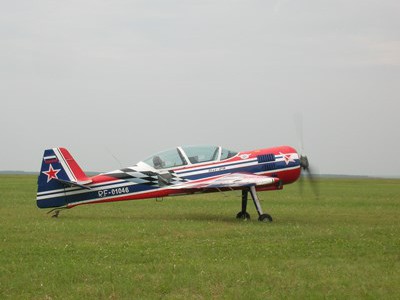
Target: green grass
x,y
345,245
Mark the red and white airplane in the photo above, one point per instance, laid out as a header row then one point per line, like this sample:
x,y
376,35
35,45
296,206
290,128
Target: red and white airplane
x,y
180,171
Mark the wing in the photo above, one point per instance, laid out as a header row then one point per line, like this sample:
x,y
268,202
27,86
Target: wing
x,y
233,180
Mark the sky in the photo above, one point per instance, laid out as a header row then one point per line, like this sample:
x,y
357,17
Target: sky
x,y
116,81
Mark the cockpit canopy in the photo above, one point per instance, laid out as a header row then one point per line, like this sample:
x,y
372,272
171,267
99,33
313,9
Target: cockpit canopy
x,y
188,155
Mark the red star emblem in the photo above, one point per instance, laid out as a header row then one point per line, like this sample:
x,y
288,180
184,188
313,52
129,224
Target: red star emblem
x,y
51,173
287,157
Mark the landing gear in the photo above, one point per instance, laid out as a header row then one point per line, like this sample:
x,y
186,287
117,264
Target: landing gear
x,y
265,218
54,212
243,214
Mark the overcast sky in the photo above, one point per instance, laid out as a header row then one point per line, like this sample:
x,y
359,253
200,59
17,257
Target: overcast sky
x,y
126,79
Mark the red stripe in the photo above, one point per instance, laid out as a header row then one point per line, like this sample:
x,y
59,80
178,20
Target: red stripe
x,y
51,161
72,164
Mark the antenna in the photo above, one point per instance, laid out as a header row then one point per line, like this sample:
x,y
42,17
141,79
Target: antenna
x,y
116,159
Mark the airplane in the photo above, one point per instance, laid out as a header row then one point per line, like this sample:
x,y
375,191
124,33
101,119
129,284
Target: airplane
x,y
182,170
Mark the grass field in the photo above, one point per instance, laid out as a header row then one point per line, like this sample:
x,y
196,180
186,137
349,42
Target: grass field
x,y
346,245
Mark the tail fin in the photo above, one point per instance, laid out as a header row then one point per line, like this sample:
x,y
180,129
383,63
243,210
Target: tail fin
x,y
59,169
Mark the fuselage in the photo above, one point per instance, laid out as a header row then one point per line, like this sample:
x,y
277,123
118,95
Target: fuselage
x,y
152,179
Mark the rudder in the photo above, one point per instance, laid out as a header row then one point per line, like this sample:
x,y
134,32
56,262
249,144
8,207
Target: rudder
x,y
59,169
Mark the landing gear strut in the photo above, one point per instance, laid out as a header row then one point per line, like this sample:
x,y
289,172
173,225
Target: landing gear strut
x,y
243,214
55,212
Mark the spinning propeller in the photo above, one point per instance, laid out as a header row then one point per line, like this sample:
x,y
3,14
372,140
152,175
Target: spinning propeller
x,y
304,163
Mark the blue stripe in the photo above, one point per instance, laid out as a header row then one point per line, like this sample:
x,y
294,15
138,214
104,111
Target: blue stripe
x,y
279,166
54,202
73,189
92,195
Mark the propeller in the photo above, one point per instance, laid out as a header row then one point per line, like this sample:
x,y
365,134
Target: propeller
x,y
304,162
305,165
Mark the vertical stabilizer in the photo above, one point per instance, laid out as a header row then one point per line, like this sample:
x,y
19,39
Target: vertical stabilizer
x,y
59,170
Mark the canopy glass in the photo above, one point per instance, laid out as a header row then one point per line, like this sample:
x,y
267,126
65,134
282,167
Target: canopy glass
x,y
188,155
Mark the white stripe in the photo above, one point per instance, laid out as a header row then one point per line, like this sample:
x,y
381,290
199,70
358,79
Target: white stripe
x,y
216,165
57,191
49,157
115,184
113,197
84,191
64,164
68,189
205,169
228,166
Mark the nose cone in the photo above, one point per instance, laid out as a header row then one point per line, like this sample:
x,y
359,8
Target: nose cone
x,y
304,162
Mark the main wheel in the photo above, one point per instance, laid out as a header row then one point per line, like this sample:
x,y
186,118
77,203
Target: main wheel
x,y
243,215
265,218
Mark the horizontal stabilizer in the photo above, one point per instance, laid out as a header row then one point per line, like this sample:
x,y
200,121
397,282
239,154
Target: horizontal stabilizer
x,y
80,184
